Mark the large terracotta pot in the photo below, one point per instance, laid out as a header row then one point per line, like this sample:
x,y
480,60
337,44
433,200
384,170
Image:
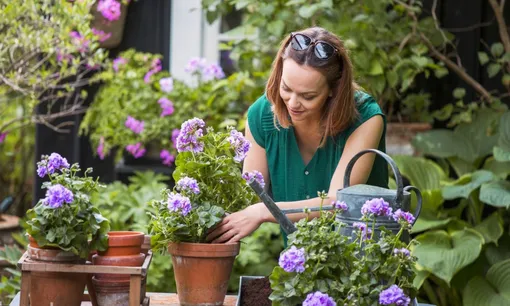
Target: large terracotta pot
x,y
202,271
55,288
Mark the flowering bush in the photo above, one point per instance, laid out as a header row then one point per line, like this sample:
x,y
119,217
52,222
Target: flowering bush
x,y
140,106
209,184
323,267
65,218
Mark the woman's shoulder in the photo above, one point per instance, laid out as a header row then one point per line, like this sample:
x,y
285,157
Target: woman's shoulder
x,y
261,120
366,105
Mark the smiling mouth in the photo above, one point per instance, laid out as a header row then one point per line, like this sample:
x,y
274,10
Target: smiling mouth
x,y
295,111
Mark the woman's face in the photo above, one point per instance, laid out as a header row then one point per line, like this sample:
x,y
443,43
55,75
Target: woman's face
x,y
304,90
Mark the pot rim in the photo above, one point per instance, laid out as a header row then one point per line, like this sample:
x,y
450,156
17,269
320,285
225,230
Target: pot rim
x,y
191,249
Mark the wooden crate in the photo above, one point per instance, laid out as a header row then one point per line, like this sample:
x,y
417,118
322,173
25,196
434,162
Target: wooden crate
x,y
137,273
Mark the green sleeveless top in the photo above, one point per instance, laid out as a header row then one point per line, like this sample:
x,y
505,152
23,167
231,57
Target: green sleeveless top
x,y
290,179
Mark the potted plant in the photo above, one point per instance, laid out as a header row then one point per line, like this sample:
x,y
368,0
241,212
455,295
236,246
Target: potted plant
x,y
209,185
109,20
323,267
63,227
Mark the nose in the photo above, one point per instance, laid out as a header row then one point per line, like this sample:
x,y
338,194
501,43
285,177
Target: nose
x,y
293,102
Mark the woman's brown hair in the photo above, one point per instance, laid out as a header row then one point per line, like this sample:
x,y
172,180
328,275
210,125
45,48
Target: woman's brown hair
x,y
340,110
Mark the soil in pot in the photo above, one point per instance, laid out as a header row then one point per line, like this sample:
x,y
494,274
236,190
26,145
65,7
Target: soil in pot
x,y
256,292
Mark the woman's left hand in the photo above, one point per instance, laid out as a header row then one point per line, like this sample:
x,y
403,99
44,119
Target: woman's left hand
x,y
236,226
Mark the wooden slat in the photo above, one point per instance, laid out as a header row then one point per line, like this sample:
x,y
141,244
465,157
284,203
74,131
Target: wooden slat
x,y
25,288
134,290
47,267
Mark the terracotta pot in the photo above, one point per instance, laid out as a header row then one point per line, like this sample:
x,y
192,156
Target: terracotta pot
x,y
121,261
400,135
146,246
114,28
112,293
55,288
122,243
202,271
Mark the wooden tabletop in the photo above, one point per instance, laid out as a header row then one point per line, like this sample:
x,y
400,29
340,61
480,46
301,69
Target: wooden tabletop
x,y
157,299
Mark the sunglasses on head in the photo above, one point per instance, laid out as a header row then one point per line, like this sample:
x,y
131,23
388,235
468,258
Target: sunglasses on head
x,y
322,49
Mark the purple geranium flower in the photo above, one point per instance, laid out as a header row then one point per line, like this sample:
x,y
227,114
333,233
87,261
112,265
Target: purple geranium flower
x,y
167,157
110,9
155,68
101,35
188,184
100,148
57,195
195,64
136,149
377,207
341,206
241,145
366,233
3,136
117,62
403,216
167,107
79,41
188,139
50,164
402,251
394,295
318,299
177,202
175,134
213,71
248,176
166,84
293,260
134,125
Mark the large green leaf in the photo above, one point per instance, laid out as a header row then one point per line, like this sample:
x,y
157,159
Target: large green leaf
x,y
494,289
468,141
463,187
427,221
491,228
496,193
421,276
501,169
502,151
444,254
496,253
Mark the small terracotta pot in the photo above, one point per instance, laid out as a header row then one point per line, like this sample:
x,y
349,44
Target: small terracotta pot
x,y
55,288
202,271
122,243
121,261
146,246
112,293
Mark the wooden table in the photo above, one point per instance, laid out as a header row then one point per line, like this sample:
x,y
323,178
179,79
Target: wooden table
x,y
157,299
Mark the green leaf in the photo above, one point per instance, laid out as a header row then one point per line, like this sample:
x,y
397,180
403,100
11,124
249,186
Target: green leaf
x,y
440,72
494,289
491,228
493,69
496,253
445,254
500,169
392,78
496,193
501,155
308,11
463,187
459,93
426,222
276,27
502,151
421,276
375,68
497,49
483,58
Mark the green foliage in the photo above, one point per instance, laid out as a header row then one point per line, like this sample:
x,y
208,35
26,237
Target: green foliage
x,y
11,282
351,270
78,226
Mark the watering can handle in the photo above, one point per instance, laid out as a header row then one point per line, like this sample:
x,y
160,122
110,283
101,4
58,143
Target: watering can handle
x,y
398,177
419,198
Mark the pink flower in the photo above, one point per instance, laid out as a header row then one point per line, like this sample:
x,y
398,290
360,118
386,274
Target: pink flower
x,y
63,57
155,68
100,148
101,35
167,158
3,136
175,134
79,41
166,84
136,149
134,125
110,9
195,64
167,107
117,62
147,77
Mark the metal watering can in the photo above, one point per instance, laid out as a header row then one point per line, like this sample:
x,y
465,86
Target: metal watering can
x,y
354,196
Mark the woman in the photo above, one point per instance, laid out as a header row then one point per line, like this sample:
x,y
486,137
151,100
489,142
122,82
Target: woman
x,y
312,120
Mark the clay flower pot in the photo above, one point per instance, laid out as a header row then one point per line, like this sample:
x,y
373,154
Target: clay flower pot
x,y
55,288
202,271
124,249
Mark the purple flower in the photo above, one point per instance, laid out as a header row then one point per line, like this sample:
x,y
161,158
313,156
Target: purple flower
x,y
147,77
136,149
155,68
342,206
403,216
195,64
101,35
394,295
63,57
117,62
100,148
134,125
167,107
3,136
293,260
79,41
177,202
248,176
240,144
213,71
110,9
365,231
50,164
175,134
188,184
167,158
318,299
166,84
57,195
377,207
190,131
402,251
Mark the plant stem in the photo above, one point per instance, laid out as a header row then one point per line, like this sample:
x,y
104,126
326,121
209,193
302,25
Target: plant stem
x,y
429,291
503,31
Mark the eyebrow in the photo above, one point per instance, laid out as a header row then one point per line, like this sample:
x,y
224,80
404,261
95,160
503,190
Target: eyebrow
x,y
301,93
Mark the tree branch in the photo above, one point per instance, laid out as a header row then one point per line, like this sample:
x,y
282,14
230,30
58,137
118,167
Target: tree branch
x,y
503,31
